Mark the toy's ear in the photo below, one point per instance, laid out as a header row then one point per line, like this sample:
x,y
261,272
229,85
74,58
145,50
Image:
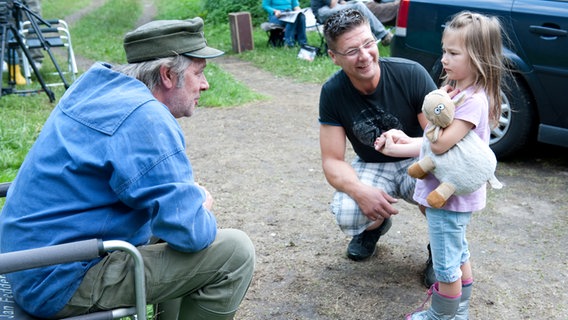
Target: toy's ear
x,y
460,98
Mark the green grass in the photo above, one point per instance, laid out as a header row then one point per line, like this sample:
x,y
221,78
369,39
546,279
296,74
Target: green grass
x,y
179,10
99,34
21,121
60,9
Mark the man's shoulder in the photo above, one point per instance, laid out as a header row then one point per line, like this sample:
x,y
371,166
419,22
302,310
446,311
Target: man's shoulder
x,y
404,66
336,79
103,99
400,62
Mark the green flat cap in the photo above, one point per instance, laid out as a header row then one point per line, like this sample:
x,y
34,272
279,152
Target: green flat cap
x,y
166,38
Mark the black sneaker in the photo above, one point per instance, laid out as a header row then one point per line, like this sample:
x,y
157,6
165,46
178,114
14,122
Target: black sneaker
x,y
429,275
364,244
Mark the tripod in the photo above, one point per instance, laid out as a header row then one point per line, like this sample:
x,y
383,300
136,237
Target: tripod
x,y
12,40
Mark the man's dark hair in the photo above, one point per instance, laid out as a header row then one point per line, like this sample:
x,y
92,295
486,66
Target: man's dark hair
x,y
341,22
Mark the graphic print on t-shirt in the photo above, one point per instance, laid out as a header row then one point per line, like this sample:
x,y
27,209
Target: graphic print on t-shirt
x,y
371,123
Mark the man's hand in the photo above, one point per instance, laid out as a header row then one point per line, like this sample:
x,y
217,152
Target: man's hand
x,y
208,203
375,203
277,13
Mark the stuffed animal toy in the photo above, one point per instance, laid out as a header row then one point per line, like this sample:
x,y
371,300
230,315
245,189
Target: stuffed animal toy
x,y
465,167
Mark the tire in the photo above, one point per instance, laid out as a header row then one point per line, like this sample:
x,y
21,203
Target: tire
x,y
517,121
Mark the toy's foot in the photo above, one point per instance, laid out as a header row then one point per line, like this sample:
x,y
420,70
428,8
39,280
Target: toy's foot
x,y
438,197
416,171
435,200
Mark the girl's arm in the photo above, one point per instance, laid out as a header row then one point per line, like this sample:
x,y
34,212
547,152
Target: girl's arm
x,y
449,136
452,134
395,143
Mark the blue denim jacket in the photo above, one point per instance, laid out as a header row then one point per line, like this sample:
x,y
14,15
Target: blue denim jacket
x,y
109,163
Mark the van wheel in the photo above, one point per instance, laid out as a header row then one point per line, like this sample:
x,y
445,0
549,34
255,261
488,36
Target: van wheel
x,y
517,120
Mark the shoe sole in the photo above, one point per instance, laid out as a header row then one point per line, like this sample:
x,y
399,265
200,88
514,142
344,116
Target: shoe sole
x,y
360,258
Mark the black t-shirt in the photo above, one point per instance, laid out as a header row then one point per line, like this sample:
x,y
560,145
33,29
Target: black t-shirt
x,y
395,104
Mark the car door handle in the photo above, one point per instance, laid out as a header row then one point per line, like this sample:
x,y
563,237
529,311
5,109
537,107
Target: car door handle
x,y
548,32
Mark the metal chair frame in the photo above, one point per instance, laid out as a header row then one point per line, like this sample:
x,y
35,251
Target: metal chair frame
x,y
56,35
65,253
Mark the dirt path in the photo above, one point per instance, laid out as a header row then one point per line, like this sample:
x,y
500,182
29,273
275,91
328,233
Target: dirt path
x,y
261,162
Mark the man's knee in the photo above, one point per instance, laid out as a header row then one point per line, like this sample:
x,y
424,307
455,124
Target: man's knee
x,y
239,245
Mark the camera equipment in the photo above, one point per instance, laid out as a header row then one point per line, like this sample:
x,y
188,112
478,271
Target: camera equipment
x,y
11,14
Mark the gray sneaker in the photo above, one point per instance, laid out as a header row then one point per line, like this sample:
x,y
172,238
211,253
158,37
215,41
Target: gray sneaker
x,y
363,245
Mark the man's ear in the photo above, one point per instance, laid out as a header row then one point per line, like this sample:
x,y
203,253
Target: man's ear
x,y
167,77
332,56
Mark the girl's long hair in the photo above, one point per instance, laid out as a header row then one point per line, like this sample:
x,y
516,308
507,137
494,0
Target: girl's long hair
x,y
482,36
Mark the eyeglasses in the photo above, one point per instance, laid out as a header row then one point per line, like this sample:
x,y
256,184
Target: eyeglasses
x,y
355,51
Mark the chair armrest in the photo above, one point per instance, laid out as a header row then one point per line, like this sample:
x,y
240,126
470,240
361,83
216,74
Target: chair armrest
x,y
79,251
57,254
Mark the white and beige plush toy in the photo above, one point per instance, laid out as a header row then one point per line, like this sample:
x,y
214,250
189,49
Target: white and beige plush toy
x,y
462,169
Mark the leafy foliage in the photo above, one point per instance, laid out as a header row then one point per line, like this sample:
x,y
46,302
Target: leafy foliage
x,y
217,11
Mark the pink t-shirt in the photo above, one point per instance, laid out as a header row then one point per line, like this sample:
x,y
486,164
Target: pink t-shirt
x,y
474,109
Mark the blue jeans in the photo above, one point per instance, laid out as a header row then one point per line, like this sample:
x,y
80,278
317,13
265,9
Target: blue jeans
x,y
448,242
293,32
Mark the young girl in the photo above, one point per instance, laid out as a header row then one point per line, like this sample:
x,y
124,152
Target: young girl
x,y
473,64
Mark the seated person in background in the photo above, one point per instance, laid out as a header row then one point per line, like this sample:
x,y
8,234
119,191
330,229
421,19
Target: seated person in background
x,y
384,10
293,32
323,9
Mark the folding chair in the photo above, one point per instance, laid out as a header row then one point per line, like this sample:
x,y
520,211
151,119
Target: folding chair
x,y
322,45
312,23
64,253
275,33
56,35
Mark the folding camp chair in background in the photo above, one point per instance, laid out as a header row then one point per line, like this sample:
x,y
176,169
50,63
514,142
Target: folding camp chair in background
x,y
275,34
312,23
64,253
55,35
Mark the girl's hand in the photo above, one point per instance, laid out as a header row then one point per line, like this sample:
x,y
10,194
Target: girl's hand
x,y
396,143
394,135
450,90
380,143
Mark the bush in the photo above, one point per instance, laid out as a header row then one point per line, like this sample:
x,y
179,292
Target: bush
x,y
305,3
217,11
